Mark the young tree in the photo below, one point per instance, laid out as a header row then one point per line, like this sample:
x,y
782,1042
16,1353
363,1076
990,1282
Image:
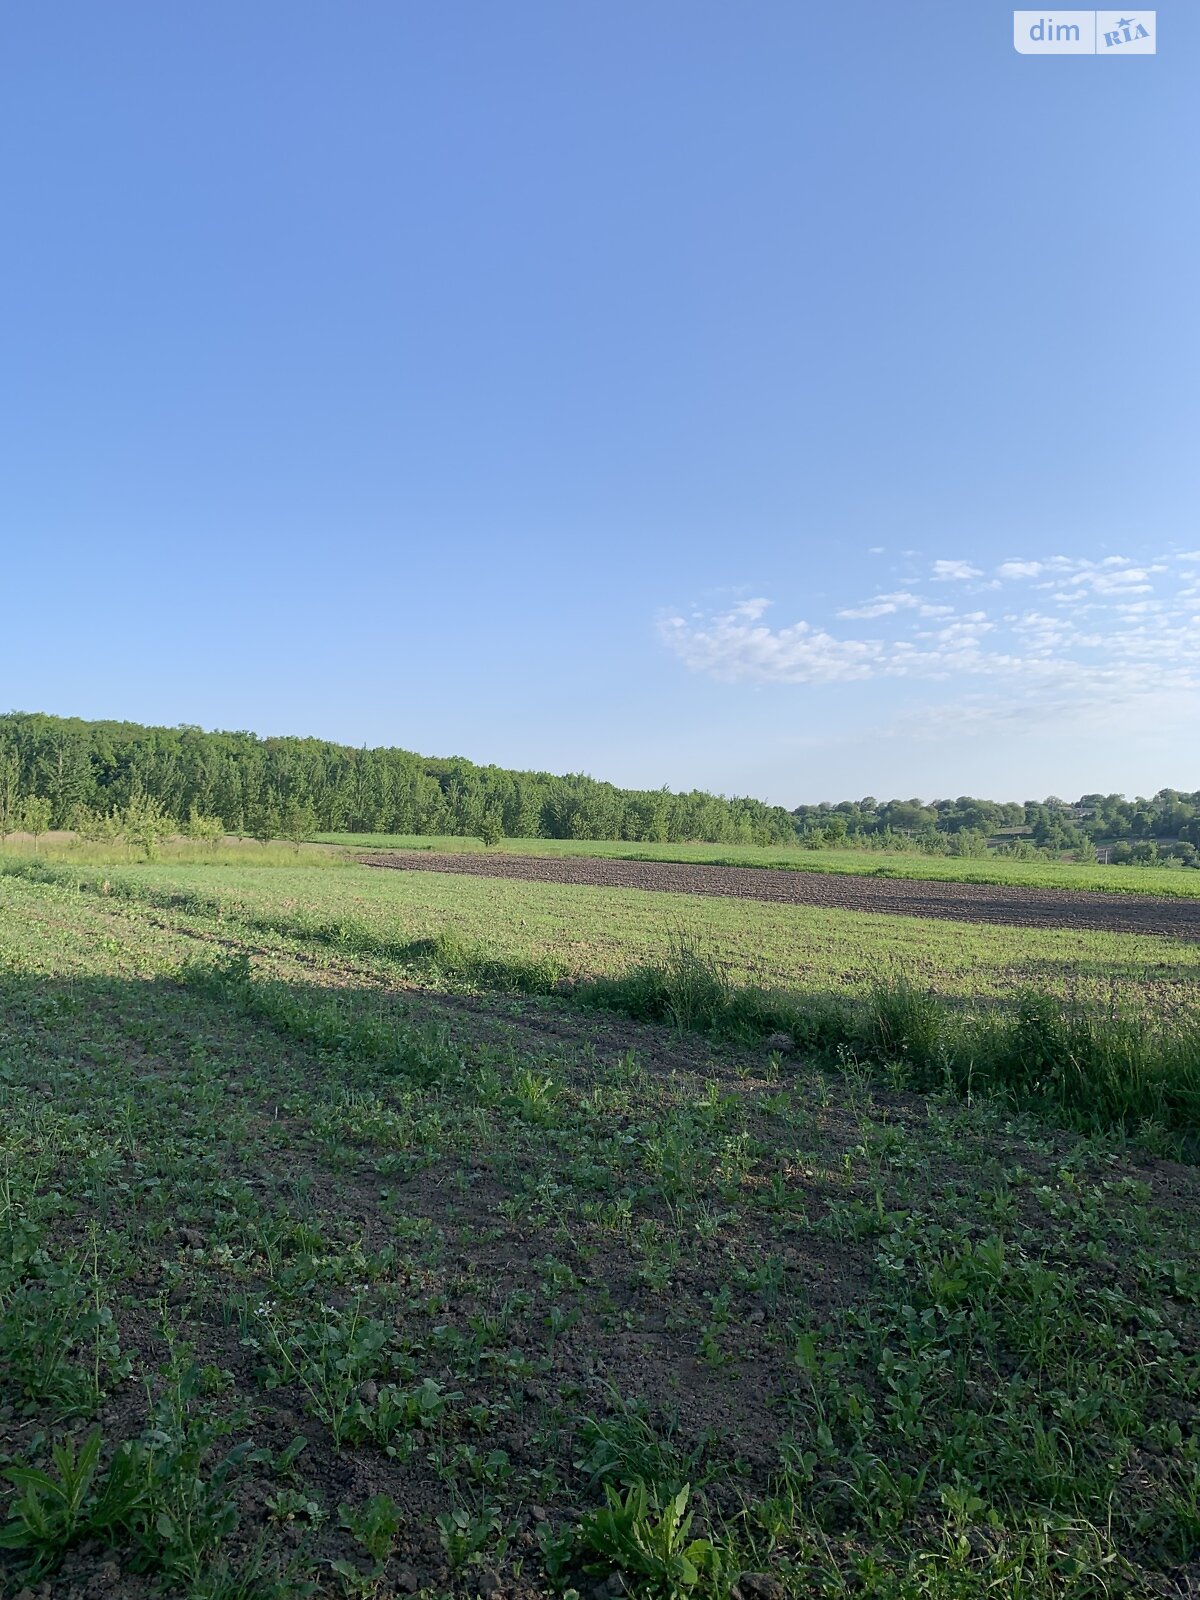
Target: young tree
x,y
299,822
1021,850
204,829
146,823
262,823
35,817
969,843
491,829
97,827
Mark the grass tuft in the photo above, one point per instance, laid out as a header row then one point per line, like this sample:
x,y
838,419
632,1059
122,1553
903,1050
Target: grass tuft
x,y
904,1023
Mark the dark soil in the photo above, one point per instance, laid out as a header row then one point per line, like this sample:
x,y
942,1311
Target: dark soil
x,y
1011,904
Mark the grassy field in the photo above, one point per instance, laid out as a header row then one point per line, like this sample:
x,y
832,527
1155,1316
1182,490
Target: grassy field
x,y
322,1272
894,864
326,848
576,930
64,846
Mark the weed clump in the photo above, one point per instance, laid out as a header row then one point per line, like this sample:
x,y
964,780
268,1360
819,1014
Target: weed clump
x,y
1111,1067
905,1024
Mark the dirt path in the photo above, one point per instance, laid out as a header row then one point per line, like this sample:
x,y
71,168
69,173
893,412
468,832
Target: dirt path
x,y
959,902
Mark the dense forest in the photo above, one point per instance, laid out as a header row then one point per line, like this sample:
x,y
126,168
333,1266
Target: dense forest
x,y
260,786
257,786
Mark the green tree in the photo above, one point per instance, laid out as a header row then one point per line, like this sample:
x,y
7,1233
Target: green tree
x,y
146,824
263,822
63,770
491,828
204,828
299,823
236,776
35,816
967,842
10,791
1020,850
97,827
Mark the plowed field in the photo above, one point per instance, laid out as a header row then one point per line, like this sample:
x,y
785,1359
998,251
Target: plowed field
x,y
959,902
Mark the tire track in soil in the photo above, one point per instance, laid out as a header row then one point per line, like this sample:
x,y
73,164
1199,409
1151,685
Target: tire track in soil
x,y
1009,904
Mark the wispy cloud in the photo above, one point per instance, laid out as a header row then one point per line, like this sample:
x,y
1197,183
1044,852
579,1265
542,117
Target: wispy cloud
x,y
884,605
1055,636
735,647
1020,569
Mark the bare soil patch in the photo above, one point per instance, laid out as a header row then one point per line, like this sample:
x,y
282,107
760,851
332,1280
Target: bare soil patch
x,y
1009,904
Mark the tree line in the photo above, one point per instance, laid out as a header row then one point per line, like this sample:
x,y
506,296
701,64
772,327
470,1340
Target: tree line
x,y
95,772
101,777
1139,830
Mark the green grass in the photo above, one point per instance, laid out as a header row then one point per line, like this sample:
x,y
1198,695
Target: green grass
x,y
328,850
1178,881
229,852
1096,1029
585,931
317,1277
1121,1067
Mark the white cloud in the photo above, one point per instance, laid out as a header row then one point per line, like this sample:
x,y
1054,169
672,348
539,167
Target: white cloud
x,y
1020,569
1109,579
733,648
750,609
882,606
1105,634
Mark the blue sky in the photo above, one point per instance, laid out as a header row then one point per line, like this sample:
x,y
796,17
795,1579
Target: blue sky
x,y
785,399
